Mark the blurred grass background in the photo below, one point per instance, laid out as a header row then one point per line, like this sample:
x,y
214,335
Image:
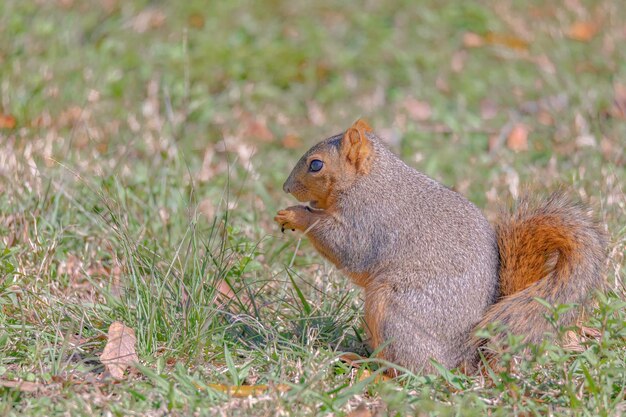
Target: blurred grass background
x,y
143,145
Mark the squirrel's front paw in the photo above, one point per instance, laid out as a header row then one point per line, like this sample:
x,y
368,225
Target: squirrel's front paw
x,y
295,217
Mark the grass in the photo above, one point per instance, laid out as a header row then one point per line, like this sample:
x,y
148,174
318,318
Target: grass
x,y
146,164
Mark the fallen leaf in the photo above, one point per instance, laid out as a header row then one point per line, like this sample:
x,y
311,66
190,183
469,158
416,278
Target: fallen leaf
x,y
457,63
7,121
24,386
544,63
473,40
259,130
442,84
150,18
545,118
618,110
196,20
291,141
363,374
586,140
315,113
417,109
66,4
591,332
72,267
119,352
582,31
207,209
518,138
607,148
361,411
351,359
509,41
572,342
226,294
243,391
109,6
488,109
70,116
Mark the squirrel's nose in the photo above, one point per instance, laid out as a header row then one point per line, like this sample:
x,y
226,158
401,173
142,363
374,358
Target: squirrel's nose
x,y
286,187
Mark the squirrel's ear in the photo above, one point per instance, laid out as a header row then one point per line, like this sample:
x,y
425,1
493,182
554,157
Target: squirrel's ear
x,y
362,126
356,147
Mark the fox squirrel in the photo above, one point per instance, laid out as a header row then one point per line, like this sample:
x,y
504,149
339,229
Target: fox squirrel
x,y
432,267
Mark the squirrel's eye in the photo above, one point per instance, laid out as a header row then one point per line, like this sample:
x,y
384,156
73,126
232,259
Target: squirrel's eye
x,y
316,165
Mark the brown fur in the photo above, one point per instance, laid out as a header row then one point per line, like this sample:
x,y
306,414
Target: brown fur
x,y
375,301
432,268
552,249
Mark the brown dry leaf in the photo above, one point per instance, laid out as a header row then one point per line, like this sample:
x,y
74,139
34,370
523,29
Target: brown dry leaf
x,y
457,63
509,41
545,118
23,386
572,342
7,121
244,391
70,116
150,18
582,31
518,138
361,411
119,352
66,4
365,373
43,120
473,40
315,113
225,291
618,110
292,141
488,109
258,129
196,20
351,359
442,84
109,6
207,209
591,332
72,267
226,294
417,109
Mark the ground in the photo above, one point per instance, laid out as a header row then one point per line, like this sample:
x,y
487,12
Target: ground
x,y
143,145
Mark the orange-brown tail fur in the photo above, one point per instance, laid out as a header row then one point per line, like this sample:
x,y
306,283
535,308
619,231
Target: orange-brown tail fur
x,y
551,249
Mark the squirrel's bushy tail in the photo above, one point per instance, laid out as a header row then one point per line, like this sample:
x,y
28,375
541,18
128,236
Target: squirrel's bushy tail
x,y
552,249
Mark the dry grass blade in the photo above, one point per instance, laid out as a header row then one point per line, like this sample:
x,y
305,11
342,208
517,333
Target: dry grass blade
x,y
119,352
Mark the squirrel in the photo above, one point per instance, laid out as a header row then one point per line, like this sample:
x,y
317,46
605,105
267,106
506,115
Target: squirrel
x,y
432,267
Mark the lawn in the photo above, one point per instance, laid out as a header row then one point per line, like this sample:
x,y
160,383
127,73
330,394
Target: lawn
x,y
143,146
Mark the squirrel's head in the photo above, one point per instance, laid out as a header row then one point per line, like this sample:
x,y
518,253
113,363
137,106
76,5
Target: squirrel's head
x,y
331,166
